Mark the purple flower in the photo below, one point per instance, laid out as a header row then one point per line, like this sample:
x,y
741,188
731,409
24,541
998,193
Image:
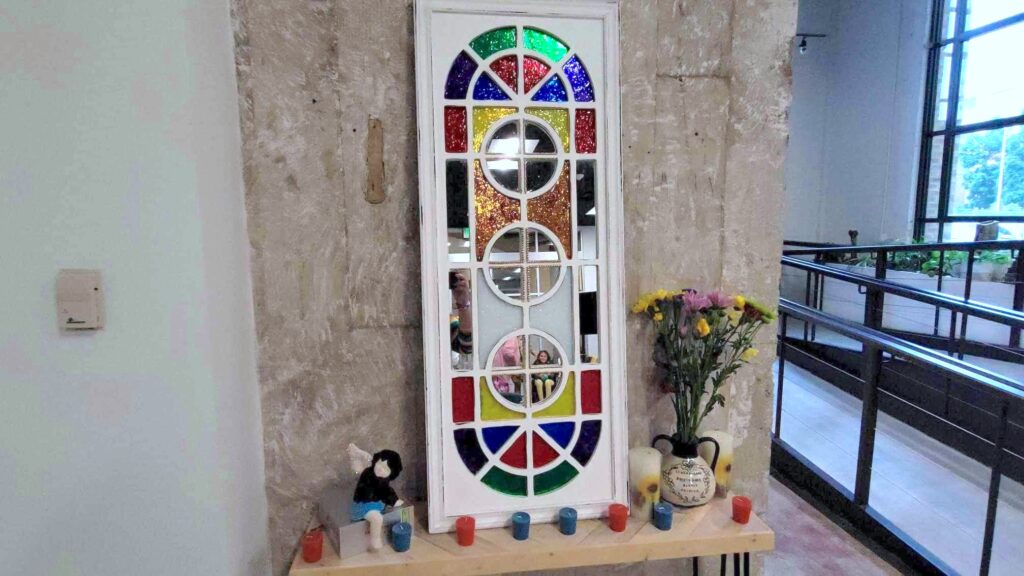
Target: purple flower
x,y
695,301
720,300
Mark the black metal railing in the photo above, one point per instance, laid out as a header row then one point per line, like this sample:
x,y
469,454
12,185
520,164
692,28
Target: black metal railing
x,y
880,347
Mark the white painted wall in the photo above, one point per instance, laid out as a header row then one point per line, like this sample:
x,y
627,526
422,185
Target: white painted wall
x,y
855,120
138,449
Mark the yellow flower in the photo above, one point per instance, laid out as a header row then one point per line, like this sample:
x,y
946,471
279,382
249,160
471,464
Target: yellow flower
x,y
740,301
662,294
658,317
749,354
734,316
702,327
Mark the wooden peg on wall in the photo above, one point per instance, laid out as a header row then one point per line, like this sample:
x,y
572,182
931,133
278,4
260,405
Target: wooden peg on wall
x,y
375,161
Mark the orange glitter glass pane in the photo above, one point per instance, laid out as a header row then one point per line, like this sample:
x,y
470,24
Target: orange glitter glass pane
x,y
494,210
552,210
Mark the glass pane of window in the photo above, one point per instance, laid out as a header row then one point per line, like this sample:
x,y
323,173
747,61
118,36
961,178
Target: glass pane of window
x,y
590,349
989,87
949,19
982,12
988,173
460,319
586,208
505,172
934,177
942,87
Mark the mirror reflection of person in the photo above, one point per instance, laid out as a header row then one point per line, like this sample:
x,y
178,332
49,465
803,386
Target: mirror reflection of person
x,y
543,384
508,356
461,322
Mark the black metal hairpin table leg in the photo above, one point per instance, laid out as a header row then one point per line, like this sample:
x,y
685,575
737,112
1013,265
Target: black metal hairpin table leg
x,y
696,566
735,564
722,573
746,563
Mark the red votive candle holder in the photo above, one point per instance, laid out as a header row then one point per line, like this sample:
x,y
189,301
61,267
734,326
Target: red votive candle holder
x,y
313,545
617,516
741,506
465,530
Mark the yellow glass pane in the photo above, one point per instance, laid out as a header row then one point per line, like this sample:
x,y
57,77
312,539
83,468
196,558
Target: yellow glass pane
x,y
565,405
491,409
485,116
558,118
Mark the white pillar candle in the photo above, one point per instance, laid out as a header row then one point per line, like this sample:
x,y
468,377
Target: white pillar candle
x,y
644,481
723,468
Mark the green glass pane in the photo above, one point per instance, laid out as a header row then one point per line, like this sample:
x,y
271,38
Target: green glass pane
x,y
554,479
544,43
511,484
494,41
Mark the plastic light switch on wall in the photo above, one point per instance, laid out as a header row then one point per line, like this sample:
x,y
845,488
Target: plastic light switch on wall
x,y
79,300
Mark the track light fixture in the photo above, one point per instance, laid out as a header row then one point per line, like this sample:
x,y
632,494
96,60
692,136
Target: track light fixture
x,y
803,40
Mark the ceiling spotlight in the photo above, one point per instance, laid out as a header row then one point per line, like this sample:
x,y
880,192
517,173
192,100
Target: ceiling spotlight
x,y
803,46
803,41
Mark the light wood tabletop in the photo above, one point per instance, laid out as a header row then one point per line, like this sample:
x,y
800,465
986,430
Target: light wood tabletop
x,y
705,531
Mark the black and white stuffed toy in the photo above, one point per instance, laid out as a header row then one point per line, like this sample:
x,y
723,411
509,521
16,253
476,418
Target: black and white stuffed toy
x,y
373,492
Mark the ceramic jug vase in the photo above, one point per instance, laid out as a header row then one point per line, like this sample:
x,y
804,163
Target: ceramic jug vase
x,y
686,478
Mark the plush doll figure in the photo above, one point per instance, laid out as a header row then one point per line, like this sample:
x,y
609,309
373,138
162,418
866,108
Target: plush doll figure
x,y
373,491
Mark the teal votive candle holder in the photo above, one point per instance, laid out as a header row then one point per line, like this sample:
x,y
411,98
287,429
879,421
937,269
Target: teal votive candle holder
x,y
520,525
567,521
661,515
401,536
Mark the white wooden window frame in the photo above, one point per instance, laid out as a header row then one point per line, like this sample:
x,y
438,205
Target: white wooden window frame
x,y
434,255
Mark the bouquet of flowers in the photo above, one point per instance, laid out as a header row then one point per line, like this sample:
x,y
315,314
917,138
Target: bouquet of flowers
x,y
702,339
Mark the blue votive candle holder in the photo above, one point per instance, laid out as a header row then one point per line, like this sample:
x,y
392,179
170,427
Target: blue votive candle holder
x,y
401,536
662,516
567,521
520,525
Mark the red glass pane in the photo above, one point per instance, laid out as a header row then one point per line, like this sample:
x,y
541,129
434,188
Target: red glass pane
x,y
533,72
590,386
515,456
507,68
586,131
542,451
462,400
454,129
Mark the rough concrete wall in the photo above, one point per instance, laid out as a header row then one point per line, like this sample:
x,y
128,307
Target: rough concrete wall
x,y
705,87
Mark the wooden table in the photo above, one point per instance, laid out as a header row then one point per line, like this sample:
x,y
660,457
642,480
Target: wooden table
x,y
705,531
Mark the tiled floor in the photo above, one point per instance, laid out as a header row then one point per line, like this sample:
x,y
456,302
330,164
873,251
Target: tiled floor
x,y
933,493
808,544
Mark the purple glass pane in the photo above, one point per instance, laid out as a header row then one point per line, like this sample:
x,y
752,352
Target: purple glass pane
x,y
459,76
468,446
582,89
590,433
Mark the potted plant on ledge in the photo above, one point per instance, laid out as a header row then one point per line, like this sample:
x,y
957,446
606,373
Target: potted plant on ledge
x,y
702,338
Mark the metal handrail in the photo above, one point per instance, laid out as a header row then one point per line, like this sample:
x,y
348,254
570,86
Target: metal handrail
x,y
997,314
890,248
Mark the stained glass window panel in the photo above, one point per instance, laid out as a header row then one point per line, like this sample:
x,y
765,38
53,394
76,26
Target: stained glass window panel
x,y
496,437
462,400
469,449
507,68
543,453
582,89
491,409
544,43
494,210
487,89
552,91
565,405
454,129
554,479
494,41
560,432
590,433
461,72
586,131
483,118
504,482
551,210
557,118
590,391
533,72
515,455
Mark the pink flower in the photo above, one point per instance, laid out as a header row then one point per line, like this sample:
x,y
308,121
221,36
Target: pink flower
x,y
695,301
720,300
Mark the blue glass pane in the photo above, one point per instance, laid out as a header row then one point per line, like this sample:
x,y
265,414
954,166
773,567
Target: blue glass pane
x,y
459,76
590,433
552,91
582,89
560,432
496,437
469,449
487,89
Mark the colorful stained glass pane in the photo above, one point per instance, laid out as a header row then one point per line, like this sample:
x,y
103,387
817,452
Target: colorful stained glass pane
x,y
494,41
565,405
590,391
533,72
558,118
496,436
582,89
462,400
487,89
544,43
554,479
590,433
552,210
543,453
461,72
507,68
454,129
560,432
494,210
505,482
468,446
515,456
490,408
586,131
484,117
552,91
